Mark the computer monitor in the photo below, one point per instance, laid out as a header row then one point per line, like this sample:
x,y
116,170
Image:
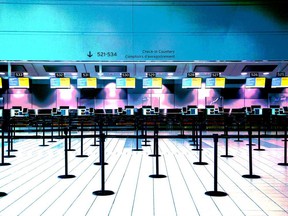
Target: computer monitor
x,y
257,111
82,111
156,109
120,110
193,111
54,111
91,110
64,112
15,112
184,110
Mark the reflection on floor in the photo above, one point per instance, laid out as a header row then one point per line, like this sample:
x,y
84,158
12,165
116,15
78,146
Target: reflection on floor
x,y
33,186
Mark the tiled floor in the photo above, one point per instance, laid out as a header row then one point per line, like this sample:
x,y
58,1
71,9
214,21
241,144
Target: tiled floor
x,y
33,186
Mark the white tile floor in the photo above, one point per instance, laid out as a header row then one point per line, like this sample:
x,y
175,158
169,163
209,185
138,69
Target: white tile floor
x,y
33,186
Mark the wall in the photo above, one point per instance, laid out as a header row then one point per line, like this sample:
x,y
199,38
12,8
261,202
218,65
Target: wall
x,y
143,30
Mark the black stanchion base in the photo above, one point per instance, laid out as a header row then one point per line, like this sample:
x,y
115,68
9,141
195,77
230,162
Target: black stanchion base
x,y
5,164
251,176
146,141
66,176
283,164
238,140
52,141
2,194
137,149
43,145
200,163
98,163
197,149
13,150
9,156
259,149
193,144
145,145
228,156
94,145
216,193
253,144
71,150
157,176
103,193
81,156
153,155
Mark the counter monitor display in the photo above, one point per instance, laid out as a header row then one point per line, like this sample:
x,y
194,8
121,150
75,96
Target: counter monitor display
x,y
19,82
192,82
255,82
87,82
129,82
215,82
279,82
63,82
153,83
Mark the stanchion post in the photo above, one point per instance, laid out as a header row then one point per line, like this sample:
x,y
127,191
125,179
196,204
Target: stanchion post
x,y
100,149
43,134
102,192
226,143
285,149
137,136
66,175
2,150
200,162
52,130
157,175
215,192
81,142
259,140
250,175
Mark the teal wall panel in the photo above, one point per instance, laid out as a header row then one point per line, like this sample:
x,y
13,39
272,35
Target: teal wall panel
x,y
128,30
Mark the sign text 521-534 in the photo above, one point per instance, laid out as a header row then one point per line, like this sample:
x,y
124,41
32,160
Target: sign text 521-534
x,y
106,54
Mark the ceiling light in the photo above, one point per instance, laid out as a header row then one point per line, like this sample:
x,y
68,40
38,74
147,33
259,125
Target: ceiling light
x,y
266,73
243,73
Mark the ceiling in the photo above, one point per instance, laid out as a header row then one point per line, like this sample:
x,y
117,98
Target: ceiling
x,y
164,69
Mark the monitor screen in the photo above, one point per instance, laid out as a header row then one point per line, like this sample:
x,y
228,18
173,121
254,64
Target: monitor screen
x,y
62,82
218,82
257,111
64,112
154,82
193,111
255,82
88,82
18,82
193,82
129,82
279,82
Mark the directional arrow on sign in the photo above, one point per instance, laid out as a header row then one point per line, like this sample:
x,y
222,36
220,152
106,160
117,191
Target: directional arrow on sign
x,y
89,54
